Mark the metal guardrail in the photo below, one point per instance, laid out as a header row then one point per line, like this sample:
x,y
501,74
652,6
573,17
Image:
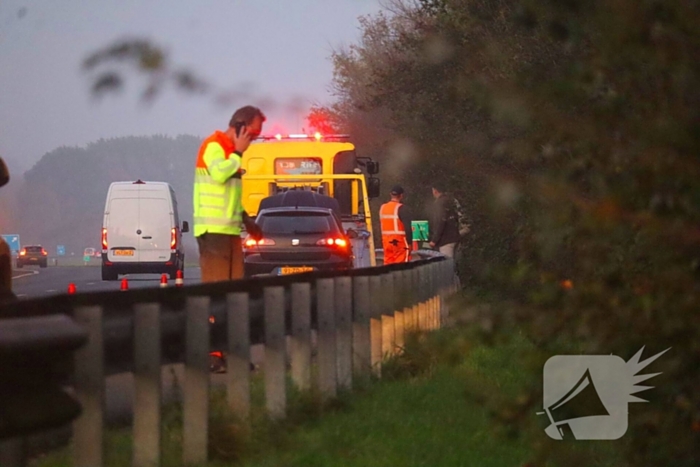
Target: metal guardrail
x,y
360,317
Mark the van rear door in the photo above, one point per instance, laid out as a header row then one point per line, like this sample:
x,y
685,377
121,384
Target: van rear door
x,y
122,239
155,223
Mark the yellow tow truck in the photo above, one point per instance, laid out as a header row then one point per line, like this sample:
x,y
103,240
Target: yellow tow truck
x,y
325,164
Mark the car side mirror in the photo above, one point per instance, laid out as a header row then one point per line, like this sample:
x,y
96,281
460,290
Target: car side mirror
x,y
352,233
4,173
185,227
373,187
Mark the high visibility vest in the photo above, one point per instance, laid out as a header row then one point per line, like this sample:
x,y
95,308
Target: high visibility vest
x,y
217,187
390,222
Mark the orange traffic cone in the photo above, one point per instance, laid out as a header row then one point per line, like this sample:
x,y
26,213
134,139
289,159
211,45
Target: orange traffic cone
x,y
125,284
179,281
164,280
71,288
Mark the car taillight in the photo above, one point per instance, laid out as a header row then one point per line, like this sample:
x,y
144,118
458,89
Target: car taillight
x,y
251,242
104,238
331,241
43,252
173,238
23,252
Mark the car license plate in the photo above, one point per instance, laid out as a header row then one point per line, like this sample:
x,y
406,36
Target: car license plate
x,y
294,270
123,252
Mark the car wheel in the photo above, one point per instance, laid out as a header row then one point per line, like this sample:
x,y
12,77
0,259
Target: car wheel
x,y
108,275
20,265
43,264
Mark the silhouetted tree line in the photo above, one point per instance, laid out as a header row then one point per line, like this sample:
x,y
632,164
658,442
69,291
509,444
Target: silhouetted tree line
x,y
570,130
62,198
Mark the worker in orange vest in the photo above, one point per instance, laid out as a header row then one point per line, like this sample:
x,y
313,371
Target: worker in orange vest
x,y
395,221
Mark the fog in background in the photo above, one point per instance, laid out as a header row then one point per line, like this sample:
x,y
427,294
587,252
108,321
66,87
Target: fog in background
x,y
267,52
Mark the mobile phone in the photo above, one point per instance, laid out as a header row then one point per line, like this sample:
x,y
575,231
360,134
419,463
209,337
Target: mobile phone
x,y
239,126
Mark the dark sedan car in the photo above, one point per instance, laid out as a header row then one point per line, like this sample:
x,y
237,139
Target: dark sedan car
x,y
34,254
297,240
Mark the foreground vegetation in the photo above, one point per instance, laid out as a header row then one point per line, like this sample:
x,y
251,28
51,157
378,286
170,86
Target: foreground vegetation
x,y
570,130
430,408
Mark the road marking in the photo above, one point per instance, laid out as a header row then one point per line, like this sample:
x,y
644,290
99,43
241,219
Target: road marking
x,y
90,283
31,273
20,295
52,290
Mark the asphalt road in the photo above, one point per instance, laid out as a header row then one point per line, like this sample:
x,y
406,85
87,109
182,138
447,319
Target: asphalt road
x,y
34,282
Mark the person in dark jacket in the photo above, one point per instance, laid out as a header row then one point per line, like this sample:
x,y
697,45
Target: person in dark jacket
x,y
444,227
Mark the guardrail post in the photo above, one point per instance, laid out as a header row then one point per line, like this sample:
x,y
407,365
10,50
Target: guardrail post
x,y
88,429
435,308
275,352
407,301
423,292
36,355
398,304
361,344
196,390
327,360
388,331
343,325
301,335
446,277
375,293
147,385
238,359
431,296
414,298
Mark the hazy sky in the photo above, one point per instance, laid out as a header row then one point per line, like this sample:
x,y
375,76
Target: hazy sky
x,y
275,52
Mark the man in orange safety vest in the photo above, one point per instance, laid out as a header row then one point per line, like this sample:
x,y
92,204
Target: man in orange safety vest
x,y
395,221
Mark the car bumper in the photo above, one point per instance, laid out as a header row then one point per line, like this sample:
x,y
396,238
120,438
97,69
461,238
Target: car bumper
x,y
254,265
27,261
142,267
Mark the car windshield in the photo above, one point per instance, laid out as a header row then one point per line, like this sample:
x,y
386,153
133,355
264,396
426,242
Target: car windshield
x,y
297,223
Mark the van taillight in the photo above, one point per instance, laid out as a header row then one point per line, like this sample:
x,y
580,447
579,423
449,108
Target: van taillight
x,y
173,239
104,239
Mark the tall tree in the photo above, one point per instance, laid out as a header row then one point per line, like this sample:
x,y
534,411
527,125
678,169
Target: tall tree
x,y
571,131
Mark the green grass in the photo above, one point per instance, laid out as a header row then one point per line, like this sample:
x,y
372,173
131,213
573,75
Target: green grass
x,y
435,405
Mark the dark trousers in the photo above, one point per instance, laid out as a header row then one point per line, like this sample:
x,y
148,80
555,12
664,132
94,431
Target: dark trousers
x,y
220,257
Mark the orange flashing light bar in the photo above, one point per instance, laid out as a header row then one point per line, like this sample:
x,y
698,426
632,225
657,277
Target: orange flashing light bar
x,y
296,136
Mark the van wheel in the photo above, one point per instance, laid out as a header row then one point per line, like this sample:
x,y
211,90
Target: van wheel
x,y
173,274
108,275
20,265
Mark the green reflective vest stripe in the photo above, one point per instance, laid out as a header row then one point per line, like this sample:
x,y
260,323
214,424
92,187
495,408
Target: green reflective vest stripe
x,y
217,188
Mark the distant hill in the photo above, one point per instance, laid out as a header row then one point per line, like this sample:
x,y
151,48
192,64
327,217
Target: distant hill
x,y
60,201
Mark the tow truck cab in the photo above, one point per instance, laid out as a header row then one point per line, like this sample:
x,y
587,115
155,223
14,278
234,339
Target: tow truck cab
x,y
327,165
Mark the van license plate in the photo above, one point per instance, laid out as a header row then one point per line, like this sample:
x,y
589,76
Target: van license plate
x,y
294,270
123,252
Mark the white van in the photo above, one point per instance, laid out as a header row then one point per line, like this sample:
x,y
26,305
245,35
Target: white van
x,y
141,230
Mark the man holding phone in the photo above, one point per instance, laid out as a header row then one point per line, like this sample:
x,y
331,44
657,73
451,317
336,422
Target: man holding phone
x,y
218,208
